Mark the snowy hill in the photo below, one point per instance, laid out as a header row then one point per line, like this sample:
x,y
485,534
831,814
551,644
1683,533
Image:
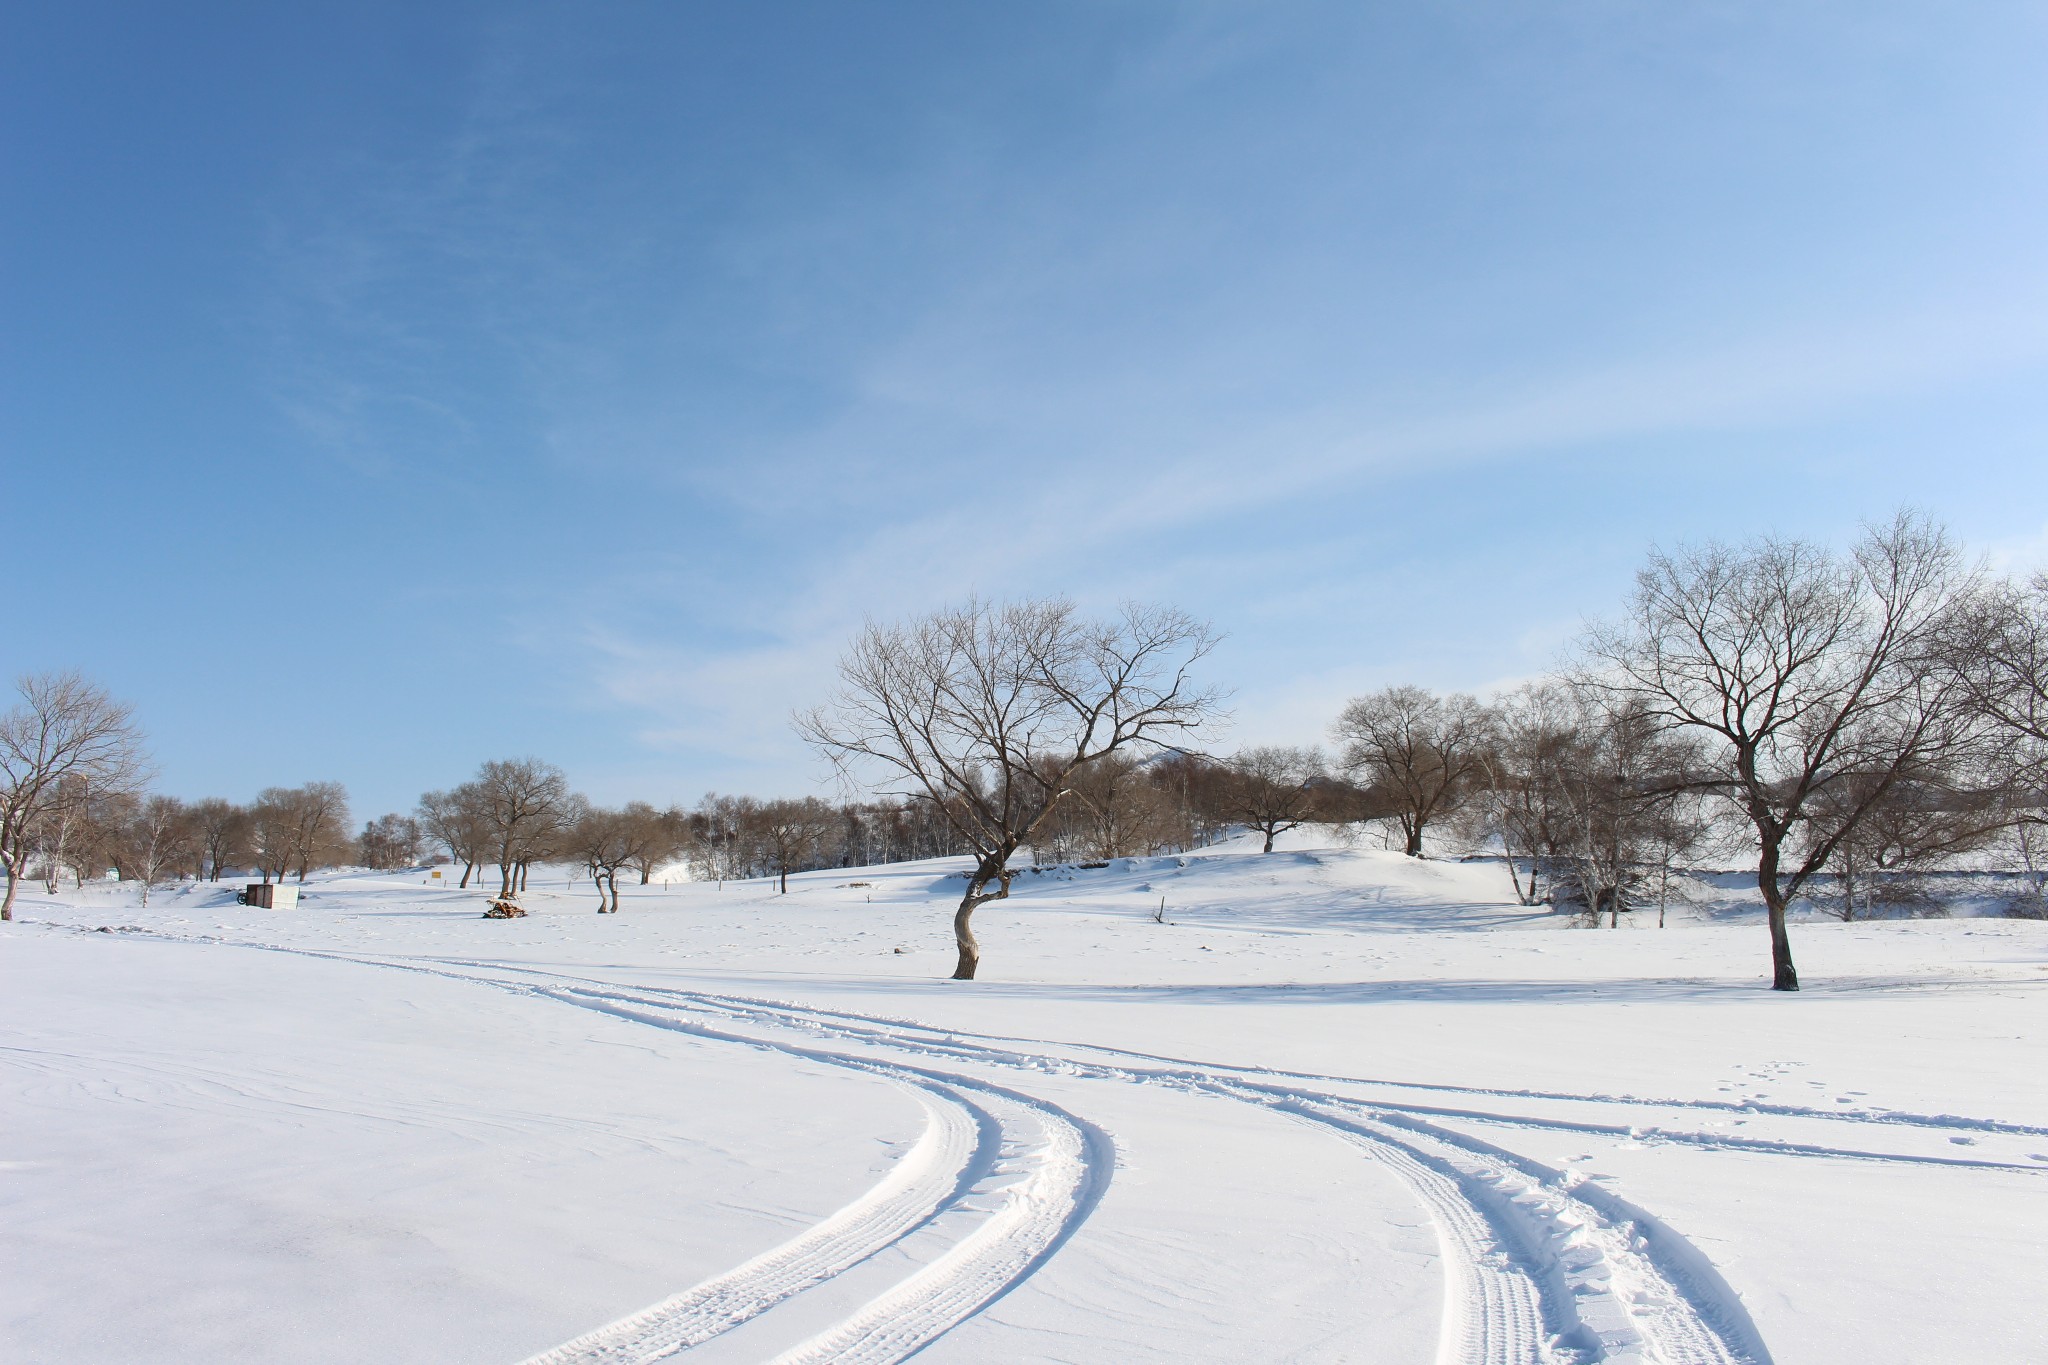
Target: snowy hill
x,y
1324,1104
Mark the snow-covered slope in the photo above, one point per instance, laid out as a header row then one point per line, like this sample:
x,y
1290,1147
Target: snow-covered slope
x,y
1323,1104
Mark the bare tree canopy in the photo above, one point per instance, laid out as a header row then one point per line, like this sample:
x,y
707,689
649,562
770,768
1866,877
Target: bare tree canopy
x,y
656,837
65,742
988,711
1272,789
526,808
455,820
1818,682
604,841
391,841
156,839
221,833
2002,646
300,828
791,831
1536,731
1424,754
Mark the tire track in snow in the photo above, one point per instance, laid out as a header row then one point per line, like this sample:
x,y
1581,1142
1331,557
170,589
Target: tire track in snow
x,y
1603,1281
1538,1270
983,1047
936,1171
1019,1232
1039,1172
1046,1176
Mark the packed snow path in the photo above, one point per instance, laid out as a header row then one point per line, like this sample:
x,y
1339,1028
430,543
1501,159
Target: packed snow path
x,y
1538,1271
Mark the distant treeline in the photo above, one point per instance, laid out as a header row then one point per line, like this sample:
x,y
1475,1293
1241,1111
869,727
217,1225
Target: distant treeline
x,y
1852,720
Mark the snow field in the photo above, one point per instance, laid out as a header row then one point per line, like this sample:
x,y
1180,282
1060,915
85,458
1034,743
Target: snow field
x,y
1341,1106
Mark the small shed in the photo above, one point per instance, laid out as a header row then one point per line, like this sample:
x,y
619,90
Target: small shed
x,y
271,896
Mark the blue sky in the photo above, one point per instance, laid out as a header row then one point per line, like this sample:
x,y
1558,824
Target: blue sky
x,y
385,388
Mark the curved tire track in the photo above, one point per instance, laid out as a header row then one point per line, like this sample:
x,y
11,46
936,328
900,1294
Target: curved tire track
x,y
1538,1270
923,1181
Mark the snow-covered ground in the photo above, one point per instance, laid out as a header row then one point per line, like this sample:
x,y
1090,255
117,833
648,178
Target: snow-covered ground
x,y
1339,1106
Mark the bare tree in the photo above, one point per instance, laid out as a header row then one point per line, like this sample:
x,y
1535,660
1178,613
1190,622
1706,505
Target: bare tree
x,y
2001,651
989,711
273,831
322,837
95,834
1194,786
722,843
1273,789
73,831
391,841
455,820
1114,809
221,834
156,839
65,740
1524,805
526,808
2001,645
1808,675
790,833
296,829
1625,788
1425,753
604,841
658,837
1924,820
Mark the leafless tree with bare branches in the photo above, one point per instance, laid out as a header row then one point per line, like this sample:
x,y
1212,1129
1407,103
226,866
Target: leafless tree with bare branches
x,y
296,829
604,841
391,841
157,838
1818,682
526,808
790,832
455,820
65,741
1423,753
987,711
1273,789
221,835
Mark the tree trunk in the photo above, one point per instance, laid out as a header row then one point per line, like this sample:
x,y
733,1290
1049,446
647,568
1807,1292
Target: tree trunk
x,y
1269,842
504,880
7,905
1784,976
467,868
785,881
1414,833
963,934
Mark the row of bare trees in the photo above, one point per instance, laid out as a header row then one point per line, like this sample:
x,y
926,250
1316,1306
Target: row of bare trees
x,y
1843,717
1847,714
74,804
1839,715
